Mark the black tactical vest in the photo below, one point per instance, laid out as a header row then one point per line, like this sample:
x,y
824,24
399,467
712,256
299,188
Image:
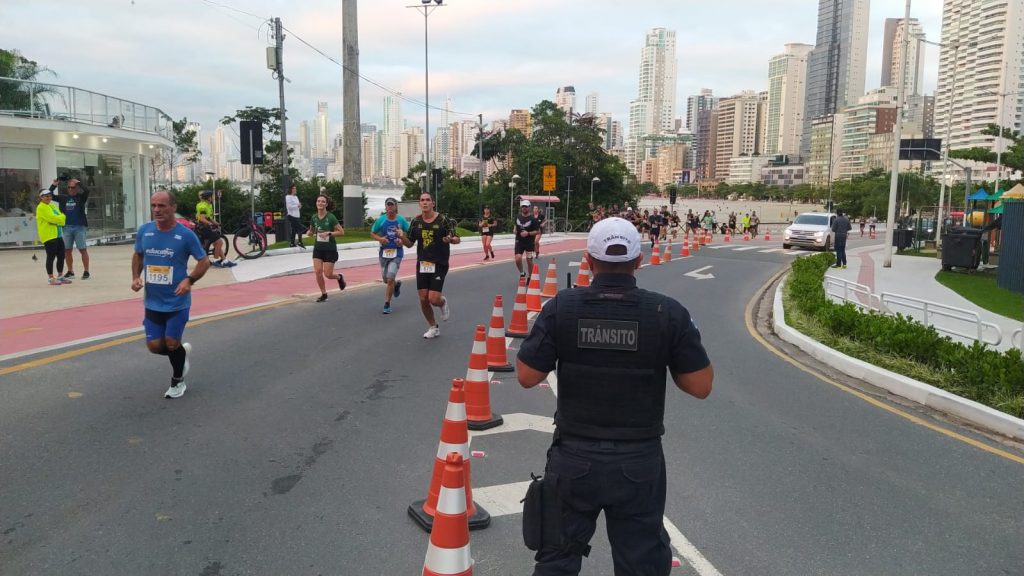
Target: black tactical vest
x,y
613,351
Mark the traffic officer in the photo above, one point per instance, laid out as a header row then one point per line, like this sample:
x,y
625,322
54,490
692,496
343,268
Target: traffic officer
x,y
612,344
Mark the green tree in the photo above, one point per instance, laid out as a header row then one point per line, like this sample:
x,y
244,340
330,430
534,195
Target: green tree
x,y
1012,156
19,94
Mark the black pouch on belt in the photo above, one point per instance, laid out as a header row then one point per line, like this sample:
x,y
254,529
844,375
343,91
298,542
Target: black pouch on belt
x,y
542,513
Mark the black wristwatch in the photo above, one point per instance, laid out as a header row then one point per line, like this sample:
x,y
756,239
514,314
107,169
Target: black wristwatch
x,y
192,280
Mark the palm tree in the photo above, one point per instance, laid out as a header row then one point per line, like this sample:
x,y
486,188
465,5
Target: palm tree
x,y
16,94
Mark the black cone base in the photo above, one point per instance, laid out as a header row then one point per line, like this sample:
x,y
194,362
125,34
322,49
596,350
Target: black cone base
x,y
506,368
478,521
495,421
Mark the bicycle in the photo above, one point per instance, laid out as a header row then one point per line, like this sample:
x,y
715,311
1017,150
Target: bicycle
x,y
250,242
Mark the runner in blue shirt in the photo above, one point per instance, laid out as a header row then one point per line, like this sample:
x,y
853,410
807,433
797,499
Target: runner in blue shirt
x,y
389,230
160,264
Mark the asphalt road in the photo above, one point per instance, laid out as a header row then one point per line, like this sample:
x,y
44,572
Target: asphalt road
x,y
307,430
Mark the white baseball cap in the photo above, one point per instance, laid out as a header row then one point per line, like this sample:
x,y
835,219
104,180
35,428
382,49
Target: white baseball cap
x,y
524,202
613,232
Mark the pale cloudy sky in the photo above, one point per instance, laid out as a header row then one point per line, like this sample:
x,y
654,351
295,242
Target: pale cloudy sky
x,y
204,59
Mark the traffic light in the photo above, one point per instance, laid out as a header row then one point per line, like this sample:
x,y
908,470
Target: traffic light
x,y
438,178
672,196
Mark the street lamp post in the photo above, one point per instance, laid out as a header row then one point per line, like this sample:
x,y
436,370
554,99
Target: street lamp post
x,y
593,181
896,133
213,183
512,197
426,8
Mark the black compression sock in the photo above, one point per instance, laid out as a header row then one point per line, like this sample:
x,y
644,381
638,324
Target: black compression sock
x,y
177,357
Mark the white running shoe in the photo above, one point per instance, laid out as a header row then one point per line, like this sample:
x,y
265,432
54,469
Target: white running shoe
x,y
433,332
446,312
176,390
188,352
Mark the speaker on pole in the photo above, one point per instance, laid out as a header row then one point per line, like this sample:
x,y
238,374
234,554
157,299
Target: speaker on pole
x,y
251,136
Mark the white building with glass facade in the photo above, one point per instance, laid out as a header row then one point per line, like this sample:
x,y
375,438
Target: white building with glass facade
x,y
112,145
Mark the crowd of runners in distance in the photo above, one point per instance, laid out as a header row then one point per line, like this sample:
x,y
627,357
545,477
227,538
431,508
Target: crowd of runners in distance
x,y
665,224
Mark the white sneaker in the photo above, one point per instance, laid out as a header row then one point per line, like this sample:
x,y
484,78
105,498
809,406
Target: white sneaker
x,y
176,390
433,332
188,352
446,312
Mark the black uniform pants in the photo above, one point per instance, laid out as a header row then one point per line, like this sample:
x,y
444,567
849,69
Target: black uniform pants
x,y
627,481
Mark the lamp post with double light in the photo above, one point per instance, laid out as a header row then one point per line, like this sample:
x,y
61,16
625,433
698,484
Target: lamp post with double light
x,y
427,7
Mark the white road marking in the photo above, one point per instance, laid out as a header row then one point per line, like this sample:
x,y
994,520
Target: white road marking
x,y
716,246
699,275
686,549
518,421
770,250
745,248
501,499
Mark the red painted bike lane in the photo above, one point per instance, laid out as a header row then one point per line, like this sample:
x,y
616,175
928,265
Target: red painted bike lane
x,y
48,330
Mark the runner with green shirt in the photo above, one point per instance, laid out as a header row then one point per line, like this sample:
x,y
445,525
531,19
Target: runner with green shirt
x,y
325,227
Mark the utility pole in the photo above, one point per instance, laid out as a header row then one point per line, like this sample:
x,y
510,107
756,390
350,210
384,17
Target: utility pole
x,y
279,51
897,132
353,189
480,173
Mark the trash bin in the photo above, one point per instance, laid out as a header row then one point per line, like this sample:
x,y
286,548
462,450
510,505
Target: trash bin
x,y
902,238
961,248
282,230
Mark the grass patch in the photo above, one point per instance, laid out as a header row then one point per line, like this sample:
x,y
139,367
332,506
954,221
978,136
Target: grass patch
x,y
981,289
923,252
354,235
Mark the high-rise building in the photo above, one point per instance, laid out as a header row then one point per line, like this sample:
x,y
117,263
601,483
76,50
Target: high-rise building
x,y
892,45
982,56
219,152
321,138
304,139
654,110
787,86
697,123
441,147
826,148
592,104
521,120
565,98
391,139
874,113
737,130
612,131
836,66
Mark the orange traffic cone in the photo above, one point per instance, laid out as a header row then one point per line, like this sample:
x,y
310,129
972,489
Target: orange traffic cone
x,y
448,552
746,236
454,436
767,236
497,354
533,293
727,238
655,259
666,254
518,326
685,253
709,236
550,281
478,386
583,276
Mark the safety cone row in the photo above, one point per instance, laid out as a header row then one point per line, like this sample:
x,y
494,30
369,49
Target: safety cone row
x,y
454,438
497,353
533,303
478,386
583,276
448,553
518,326
550,281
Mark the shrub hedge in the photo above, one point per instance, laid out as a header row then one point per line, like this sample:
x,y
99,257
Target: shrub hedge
x,y
976,372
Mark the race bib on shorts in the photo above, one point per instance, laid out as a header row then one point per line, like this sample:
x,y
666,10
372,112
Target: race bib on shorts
x,y
323,236
389,253
159,274
427,268
485,230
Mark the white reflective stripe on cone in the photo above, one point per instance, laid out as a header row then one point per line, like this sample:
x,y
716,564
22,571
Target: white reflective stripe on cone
x,y
443,448
448,560
451,501
495,333
497,312
476,375
479,347
455,412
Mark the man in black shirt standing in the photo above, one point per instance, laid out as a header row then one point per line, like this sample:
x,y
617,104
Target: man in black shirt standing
x,y
527,230
613,345
433,235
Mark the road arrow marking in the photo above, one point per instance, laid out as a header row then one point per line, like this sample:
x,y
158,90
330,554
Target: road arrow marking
x,y
698,275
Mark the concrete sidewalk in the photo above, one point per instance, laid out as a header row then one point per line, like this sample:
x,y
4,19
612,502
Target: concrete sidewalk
x,y
914,277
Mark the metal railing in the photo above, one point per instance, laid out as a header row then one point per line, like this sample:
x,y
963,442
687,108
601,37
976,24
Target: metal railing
x,y
924,311
30,99
866,300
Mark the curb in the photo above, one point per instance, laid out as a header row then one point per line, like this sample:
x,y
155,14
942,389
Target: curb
x,y
924,394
